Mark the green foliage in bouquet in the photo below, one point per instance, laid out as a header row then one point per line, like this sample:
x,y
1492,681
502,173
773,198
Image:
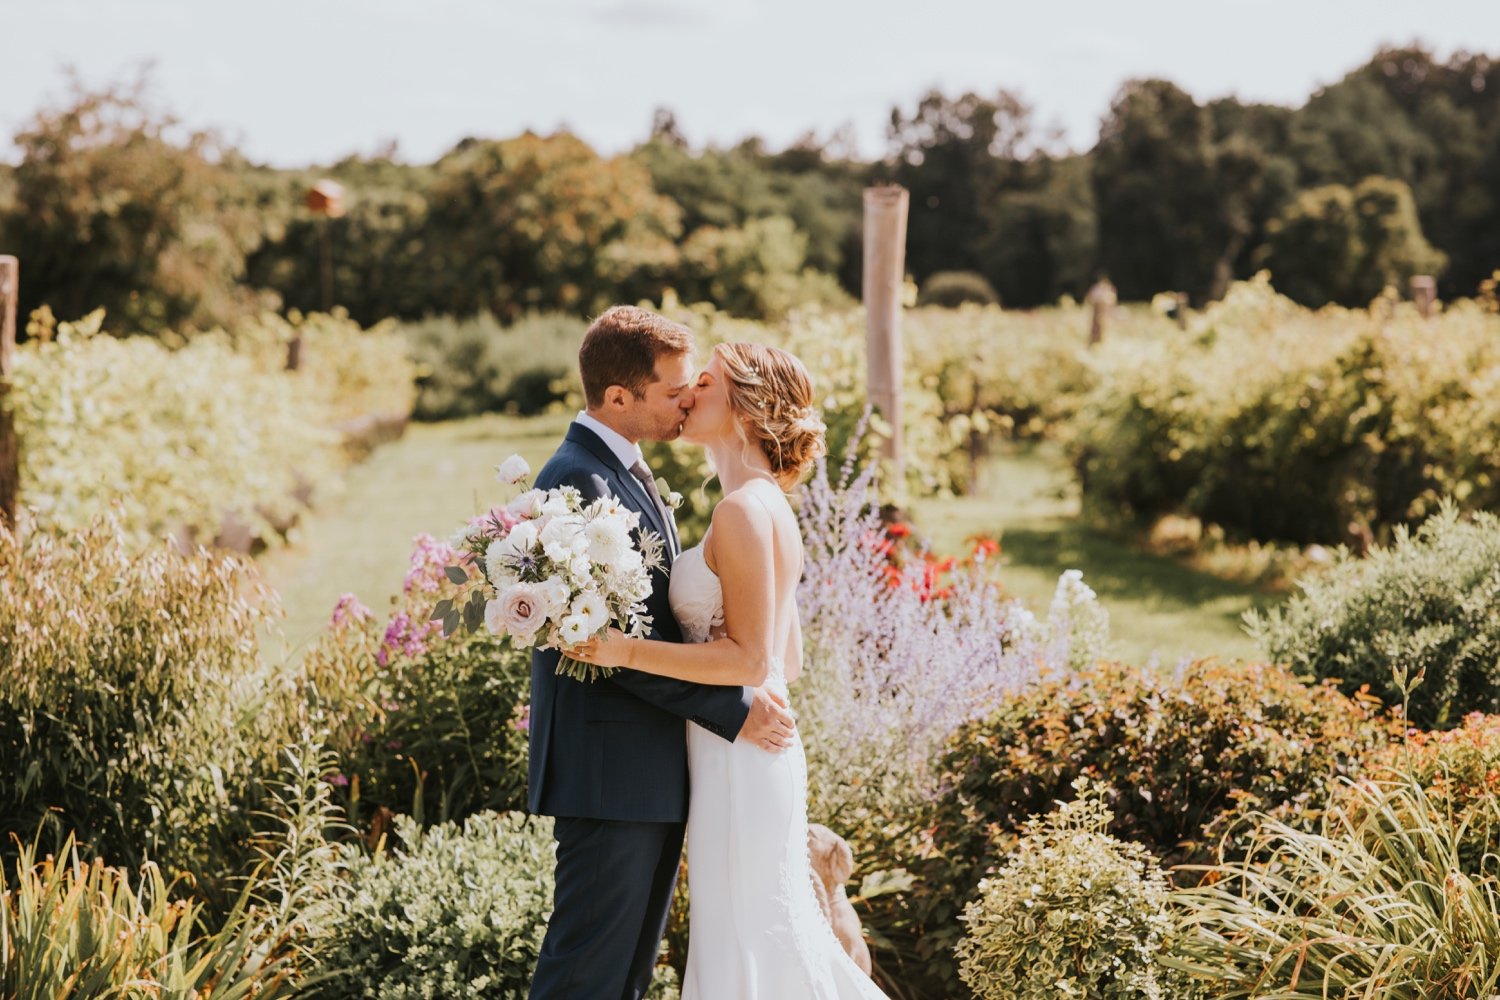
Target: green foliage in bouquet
x,y
477,365
134,708
1426,608
177,438
1376,903
450,912
1074,912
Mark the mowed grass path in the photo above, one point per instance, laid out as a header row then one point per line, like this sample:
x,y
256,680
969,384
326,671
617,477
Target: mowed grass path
x,y
440,474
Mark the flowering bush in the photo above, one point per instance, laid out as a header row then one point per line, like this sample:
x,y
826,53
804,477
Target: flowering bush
x,y
1425,609
900,655
1074,912
419,723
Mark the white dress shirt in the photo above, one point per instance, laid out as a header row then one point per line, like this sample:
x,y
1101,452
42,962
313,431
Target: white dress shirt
x,y
625,450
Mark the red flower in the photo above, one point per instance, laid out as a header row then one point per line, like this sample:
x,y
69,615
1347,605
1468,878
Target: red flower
x,y
898,530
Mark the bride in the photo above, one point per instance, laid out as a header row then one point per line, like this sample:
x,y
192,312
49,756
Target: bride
x,y
755,929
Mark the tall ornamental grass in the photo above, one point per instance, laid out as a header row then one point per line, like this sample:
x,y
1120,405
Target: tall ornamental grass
x,y
1376,906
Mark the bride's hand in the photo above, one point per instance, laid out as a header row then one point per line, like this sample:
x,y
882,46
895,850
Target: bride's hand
x,y
611,651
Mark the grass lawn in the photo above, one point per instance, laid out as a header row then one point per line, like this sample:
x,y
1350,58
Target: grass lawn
x,y
1157,606
440,474
431,480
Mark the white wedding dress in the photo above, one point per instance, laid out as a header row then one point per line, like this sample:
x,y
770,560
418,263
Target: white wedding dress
x,y
755,931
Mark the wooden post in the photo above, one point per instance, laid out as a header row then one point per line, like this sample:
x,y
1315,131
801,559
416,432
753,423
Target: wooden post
x,y
1102,299
1424,293
10,450
1182,310
885,269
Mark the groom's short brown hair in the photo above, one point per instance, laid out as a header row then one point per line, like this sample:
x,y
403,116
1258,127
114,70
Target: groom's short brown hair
x,y
621,348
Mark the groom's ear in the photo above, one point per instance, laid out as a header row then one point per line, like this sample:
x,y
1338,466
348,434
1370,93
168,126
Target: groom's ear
x,y
616,397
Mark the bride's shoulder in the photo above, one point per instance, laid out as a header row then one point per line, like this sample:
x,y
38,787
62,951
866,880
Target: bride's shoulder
x,y
740,513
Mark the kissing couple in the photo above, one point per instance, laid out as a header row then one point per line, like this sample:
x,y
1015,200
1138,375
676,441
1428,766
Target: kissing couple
x,y
702,704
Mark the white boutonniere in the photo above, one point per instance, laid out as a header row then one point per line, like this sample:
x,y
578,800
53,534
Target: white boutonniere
x,y
670,497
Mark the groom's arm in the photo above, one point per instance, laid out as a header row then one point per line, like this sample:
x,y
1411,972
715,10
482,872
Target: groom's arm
x,y
720,709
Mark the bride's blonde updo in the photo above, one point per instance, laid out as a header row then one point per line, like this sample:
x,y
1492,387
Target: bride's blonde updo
x,y
771,397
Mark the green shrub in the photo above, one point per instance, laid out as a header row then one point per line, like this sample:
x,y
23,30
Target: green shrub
x,y
1375,904
418,722
1427,606
1073,913
1183,756
355,372
1281,424
951,289
449,913
476,365
134,708
177,438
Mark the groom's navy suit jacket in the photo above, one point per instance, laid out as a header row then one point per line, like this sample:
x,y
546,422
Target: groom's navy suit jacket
x,y
616,748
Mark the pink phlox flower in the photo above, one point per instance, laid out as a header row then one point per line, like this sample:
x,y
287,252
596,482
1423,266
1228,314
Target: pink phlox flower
x,y
523,723
405,636
429,557
349,610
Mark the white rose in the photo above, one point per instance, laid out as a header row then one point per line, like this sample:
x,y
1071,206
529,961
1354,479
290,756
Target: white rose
x,y
512,470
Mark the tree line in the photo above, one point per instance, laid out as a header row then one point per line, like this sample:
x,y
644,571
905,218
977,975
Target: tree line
x,y
1392,171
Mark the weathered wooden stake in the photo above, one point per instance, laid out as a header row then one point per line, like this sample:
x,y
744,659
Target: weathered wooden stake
x,y
10,450
1424,293
885,269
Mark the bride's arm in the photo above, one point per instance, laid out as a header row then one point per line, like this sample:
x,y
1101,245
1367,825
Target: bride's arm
x,y
743,551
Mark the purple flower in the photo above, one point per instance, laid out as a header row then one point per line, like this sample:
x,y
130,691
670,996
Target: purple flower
x,y
405,636
523,721
337,780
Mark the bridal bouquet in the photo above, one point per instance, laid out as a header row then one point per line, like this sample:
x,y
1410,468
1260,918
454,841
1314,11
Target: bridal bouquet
x,y
554,571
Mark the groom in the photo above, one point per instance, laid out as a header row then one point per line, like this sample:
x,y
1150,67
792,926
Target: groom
x,y
609,758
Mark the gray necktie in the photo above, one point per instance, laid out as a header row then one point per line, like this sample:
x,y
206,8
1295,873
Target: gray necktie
x,y
639,471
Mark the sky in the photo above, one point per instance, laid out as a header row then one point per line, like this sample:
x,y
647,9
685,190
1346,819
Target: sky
x,y
299,82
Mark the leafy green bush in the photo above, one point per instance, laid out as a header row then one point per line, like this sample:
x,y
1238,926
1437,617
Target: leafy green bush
x,y
354,372
449,913
1428,606
418,722
134,708
177,438
1280,424
1073,913
1375,904
476,365
951,289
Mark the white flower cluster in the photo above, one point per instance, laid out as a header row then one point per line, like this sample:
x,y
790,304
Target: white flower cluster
x,y
562,570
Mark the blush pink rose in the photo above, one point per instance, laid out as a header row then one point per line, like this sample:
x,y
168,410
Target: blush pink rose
x,y
519,612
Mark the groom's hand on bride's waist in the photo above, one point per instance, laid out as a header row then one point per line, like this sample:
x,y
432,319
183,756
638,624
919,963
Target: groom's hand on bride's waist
x,y
770,724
